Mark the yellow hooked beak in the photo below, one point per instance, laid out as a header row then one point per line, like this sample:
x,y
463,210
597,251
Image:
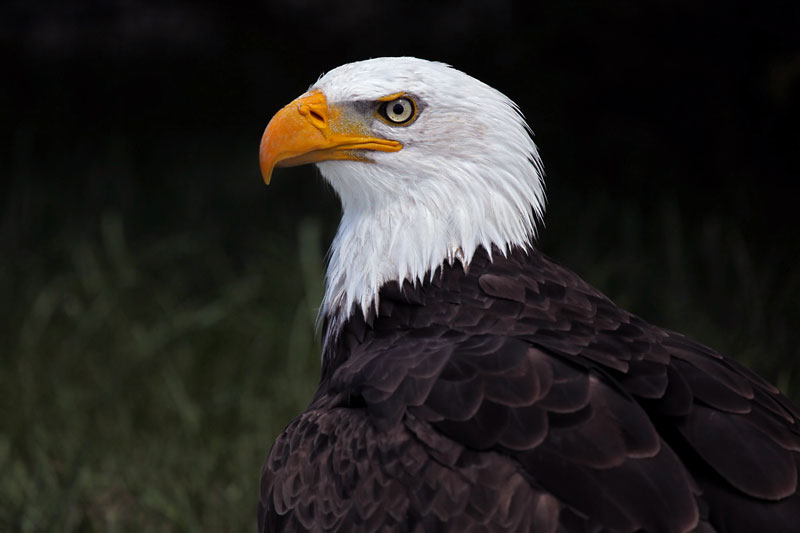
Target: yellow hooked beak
x,y
308,130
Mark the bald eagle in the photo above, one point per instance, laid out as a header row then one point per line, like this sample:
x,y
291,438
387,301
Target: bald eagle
x,y
469,383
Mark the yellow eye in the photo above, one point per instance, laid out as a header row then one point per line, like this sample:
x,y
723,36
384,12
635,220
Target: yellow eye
x,y
398,111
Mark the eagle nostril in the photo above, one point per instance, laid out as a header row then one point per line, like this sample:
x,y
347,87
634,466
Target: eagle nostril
x,y
316,116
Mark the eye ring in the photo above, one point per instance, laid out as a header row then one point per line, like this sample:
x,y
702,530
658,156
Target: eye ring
x,y
399,111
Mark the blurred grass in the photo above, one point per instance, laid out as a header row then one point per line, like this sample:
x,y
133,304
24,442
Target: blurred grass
x,y
143,384
142,387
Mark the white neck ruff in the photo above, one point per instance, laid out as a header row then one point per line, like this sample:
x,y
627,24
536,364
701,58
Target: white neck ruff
x,y
408,233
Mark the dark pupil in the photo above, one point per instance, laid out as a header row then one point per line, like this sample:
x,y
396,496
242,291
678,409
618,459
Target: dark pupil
x,y
398,109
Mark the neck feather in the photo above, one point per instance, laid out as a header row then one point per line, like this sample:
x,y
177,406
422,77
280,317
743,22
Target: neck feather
x,y
407,233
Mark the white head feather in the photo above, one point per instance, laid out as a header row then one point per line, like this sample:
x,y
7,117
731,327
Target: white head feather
x,y
468,175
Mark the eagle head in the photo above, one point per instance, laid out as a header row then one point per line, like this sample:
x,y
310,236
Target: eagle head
x,y
429,164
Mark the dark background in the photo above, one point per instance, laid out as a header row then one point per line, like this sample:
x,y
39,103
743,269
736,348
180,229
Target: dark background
x,y
157,301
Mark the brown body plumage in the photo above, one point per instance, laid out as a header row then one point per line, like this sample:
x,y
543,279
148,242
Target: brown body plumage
x,y
515,397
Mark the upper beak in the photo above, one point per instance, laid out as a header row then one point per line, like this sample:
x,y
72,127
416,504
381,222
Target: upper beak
x,y
308,130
